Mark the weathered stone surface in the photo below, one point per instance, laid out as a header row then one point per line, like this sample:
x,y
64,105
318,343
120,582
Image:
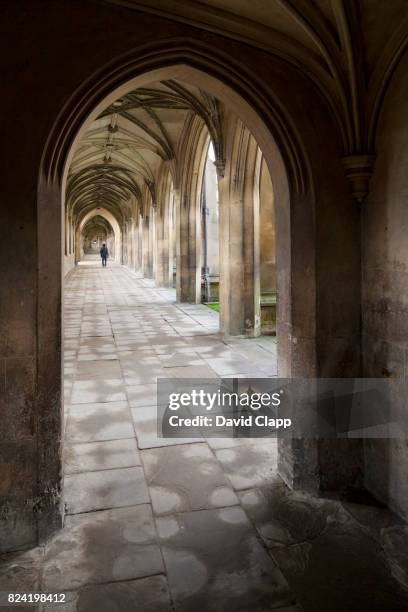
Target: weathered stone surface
x,y
250,465
21,571
104,546
146,594
91,456
97,422
97,348
214,558
93,391
19,377
145,422
105,489
142,395
185,477
214,561
384,295
19,422
327,558
394,541
342,569
98,369
286,517
18,462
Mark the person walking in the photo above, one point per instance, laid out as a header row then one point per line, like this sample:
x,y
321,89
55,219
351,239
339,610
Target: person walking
x,y
104,254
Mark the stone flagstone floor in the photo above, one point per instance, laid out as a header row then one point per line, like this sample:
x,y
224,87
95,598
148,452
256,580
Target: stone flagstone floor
x,y
157,525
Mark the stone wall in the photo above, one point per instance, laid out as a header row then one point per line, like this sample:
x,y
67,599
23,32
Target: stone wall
x,y
385,284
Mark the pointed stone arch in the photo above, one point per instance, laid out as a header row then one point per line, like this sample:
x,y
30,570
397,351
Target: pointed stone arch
x,y
257,106
106,214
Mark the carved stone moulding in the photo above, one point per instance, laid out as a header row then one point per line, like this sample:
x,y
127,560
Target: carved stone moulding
x,y
359,169
220,167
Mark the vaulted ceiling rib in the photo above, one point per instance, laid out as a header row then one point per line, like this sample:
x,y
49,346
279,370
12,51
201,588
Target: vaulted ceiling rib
x,y
348,49
122,152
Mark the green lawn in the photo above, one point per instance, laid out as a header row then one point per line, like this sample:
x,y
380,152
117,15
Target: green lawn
x,y
214,306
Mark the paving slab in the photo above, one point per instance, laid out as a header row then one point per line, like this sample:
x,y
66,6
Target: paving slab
x,y
115,488
145,424
99,421
98,369
185,477
215,562
100,547
248,466
91,456
96,390
142,395
144,595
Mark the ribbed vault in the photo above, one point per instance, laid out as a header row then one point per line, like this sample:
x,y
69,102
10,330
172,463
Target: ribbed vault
x,y
120,157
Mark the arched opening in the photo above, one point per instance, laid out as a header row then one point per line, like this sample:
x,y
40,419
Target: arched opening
x,y
95,234
102,168
112,232
210,290
247,147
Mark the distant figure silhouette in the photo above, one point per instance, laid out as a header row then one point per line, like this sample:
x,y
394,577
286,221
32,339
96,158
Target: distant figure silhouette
x,y
104,254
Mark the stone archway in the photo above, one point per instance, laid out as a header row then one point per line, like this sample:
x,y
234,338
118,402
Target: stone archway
x,y
293,197
282,148
106,214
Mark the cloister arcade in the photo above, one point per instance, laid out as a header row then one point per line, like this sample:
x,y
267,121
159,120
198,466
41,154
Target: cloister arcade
x,y
188,189
245,164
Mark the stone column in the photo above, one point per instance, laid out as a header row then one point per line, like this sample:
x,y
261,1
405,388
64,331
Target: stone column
x,y
140,243
132,244
125,244
135,244
239,240
171,237
146,247
162,246
153,242
188,284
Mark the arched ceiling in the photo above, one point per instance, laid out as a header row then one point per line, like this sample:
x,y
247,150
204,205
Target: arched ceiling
x,y
122,152
348,48
97,223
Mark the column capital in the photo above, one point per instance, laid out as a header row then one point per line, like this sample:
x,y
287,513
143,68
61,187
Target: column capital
x,y
359,169
220,167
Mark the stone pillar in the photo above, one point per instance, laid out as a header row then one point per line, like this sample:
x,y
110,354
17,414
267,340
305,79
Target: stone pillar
x,y
79,252
125,244
188,283
140,243
129,243
132,243
135,244
153,242
171,237
162,246
146,247
239,240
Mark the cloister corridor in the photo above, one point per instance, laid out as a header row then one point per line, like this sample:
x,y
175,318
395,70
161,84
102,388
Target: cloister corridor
x,y
188,525
241,167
